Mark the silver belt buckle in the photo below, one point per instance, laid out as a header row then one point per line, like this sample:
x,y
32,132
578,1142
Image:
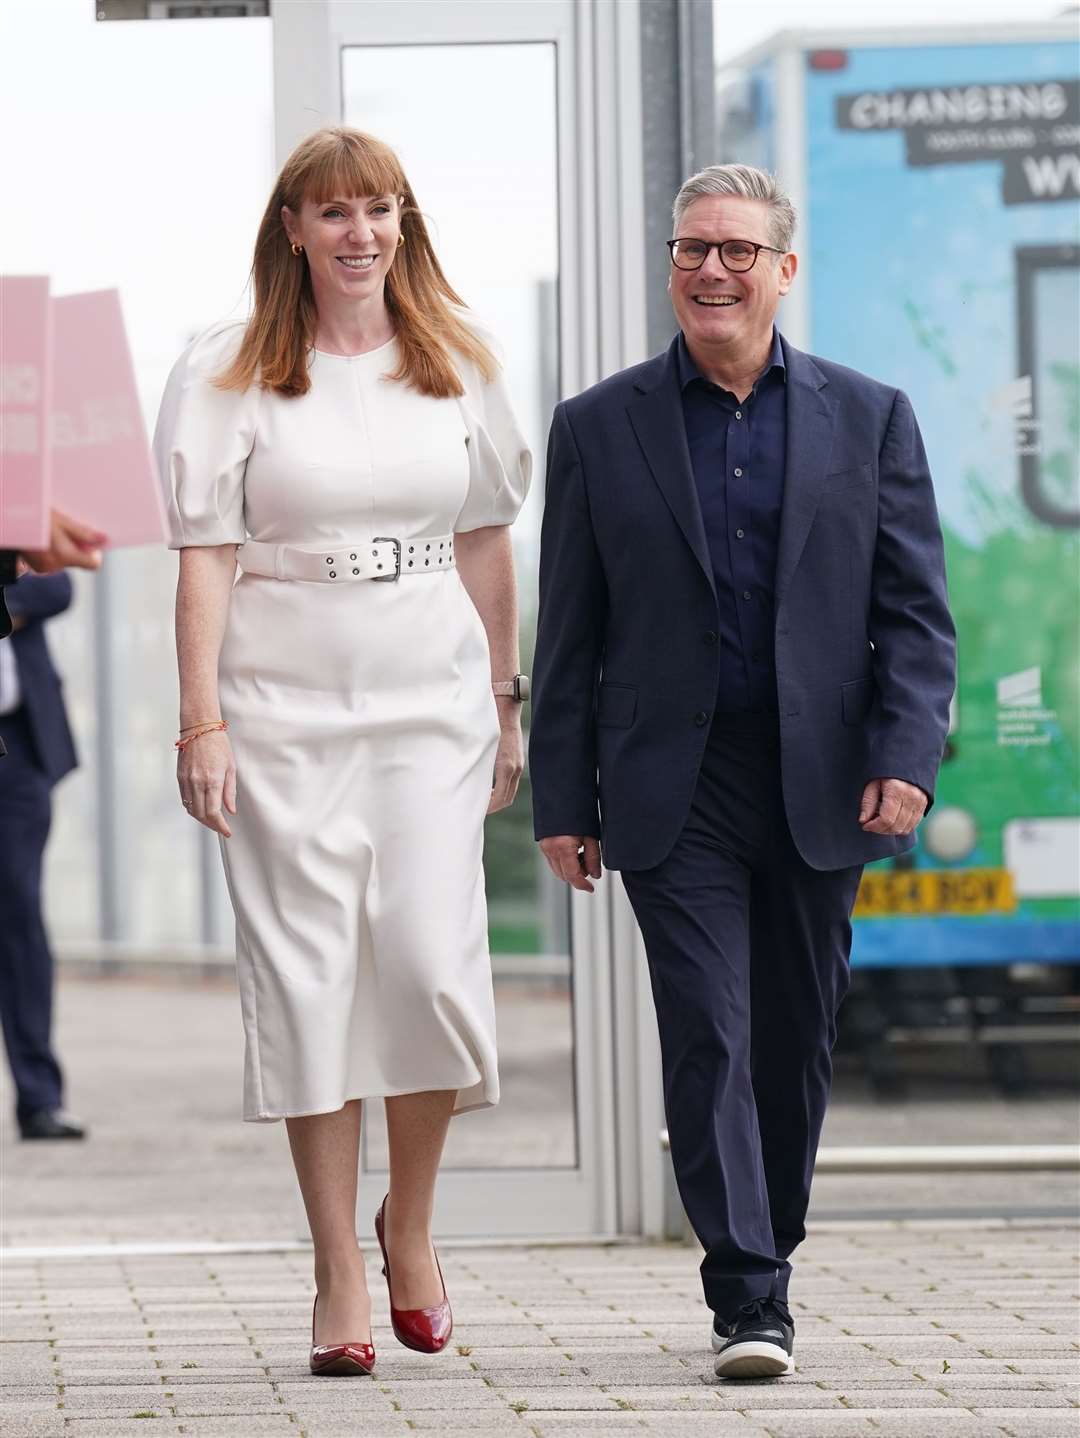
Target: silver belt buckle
x,y
384,578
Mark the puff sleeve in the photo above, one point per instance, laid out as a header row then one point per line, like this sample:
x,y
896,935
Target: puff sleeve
x,y
500,463
202,441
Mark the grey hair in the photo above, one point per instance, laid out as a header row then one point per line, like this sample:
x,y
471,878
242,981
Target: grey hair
x,y
745,183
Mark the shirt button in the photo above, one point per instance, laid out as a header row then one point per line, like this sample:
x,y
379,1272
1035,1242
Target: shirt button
x,y
738,414
739,533
738,474
701,718
709,636
746,594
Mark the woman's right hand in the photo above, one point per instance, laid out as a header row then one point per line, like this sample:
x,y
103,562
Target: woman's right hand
x,y
206,774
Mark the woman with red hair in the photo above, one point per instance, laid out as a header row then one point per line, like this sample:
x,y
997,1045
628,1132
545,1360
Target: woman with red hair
x,y
343,735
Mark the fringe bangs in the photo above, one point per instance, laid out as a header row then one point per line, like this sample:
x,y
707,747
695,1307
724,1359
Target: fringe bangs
x,y
356,164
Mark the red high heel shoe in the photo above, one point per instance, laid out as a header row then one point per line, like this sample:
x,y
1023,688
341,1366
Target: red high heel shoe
x,y
425,1330
339,1360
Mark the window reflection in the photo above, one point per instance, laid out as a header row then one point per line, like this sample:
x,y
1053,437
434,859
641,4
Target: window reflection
x,y
475,128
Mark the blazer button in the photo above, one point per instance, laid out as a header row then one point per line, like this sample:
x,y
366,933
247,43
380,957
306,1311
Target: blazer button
x,y
709,636
701,718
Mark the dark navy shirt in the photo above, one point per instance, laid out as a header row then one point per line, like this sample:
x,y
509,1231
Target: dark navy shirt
x,y
737,452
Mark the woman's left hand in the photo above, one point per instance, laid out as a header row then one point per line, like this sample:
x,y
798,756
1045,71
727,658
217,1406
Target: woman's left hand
x,y
509,760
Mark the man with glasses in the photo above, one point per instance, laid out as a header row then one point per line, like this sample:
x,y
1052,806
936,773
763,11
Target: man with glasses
x,y
744,663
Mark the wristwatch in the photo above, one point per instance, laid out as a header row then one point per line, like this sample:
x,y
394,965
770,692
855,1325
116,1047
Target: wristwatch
x,y
516,688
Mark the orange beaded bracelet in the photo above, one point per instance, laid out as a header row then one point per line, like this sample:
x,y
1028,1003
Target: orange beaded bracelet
x,y
199,724
207,729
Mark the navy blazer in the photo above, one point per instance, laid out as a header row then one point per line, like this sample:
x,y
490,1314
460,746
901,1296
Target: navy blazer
x,y
625,678
35,598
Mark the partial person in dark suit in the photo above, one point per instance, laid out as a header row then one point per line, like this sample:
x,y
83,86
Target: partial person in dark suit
x,y
71,543
744,662
9,572
40,751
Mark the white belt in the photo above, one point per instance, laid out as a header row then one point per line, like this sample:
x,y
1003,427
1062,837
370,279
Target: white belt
x,y
379,558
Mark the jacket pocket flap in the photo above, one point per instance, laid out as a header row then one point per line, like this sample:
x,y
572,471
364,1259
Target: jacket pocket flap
x,y
856,699
616,704
848,478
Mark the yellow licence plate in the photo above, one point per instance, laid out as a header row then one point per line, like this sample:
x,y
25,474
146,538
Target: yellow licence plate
x,y
935,891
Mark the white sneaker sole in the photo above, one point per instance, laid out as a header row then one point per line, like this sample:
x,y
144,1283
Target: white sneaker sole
x,y
754,1360
717,1341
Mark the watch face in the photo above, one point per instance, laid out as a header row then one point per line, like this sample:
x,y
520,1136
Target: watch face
x,y
522,681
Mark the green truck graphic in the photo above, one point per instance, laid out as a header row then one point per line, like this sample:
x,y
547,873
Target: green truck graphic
x,y
939,186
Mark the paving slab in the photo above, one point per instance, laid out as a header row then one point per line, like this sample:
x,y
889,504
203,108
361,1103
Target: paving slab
x,y
153,1424
255,1425
1014,1398
916,1423
565,1423
1042,1424
685,1425
43,1425
346,1428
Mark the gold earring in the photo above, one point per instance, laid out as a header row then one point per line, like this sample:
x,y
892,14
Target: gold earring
x,y
400,241
296,249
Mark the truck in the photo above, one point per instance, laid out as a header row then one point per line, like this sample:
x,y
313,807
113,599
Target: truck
x,y
937,177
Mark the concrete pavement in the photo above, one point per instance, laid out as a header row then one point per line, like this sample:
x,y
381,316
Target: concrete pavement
x,y
902,1332
955,1322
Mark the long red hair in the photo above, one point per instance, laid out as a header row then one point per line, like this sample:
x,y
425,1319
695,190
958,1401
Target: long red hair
x,y
281,331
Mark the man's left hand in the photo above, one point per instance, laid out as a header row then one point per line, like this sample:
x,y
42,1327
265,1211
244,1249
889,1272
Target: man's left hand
x,y
891,806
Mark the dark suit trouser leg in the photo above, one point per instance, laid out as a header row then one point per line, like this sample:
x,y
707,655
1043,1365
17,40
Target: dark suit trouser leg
x,y
747,950
800,944
26,966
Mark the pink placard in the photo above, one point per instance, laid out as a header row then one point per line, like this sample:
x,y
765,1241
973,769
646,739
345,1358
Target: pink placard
x,y
103,472
24,398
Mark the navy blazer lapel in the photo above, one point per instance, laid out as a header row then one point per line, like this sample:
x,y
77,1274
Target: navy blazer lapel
x,y
810,418
657,417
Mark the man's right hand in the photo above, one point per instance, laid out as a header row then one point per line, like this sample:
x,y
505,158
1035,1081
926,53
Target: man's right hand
x,y
575,858
71,544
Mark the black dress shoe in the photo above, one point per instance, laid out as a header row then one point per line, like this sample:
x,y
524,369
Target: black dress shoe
x,y
760,1341
50,1123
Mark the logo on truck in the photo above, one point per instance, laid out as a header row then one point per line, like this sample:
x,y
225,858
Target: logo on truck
x,y
1034,128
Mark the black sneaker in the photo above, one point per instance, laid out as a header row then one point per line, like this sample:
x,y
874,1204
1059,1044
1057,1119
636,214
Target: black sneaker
x,y
51,1123
760,1341
720,1333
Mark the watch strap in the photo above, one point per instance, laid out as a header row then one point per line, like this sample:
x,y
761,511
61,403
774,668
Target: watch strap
x,y
516,688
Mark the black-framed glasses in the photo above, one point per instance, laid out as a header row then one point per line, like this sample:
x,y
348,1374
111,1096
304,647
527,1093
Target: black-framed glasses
x,y
735,255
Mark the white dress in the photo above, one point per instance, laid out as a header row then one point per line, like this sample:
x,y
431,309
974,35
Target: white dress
x,y
361,718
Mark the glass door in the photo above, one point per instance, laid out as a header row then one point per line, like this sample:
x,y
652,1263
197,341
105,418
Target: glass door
x,y
474,100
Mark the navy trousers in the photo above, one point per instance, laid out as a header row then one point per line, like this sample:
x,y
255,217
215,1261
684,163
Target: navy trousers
x,y
26,965
748,952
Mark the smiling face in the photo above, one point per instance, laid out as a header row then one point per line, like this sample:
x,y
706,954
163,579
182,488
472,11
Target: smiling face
x,y
350,245
722,312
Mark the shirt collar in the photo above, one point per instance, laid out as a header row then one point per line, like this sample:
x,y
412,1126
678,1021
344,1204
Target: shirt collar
x,y
688,370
